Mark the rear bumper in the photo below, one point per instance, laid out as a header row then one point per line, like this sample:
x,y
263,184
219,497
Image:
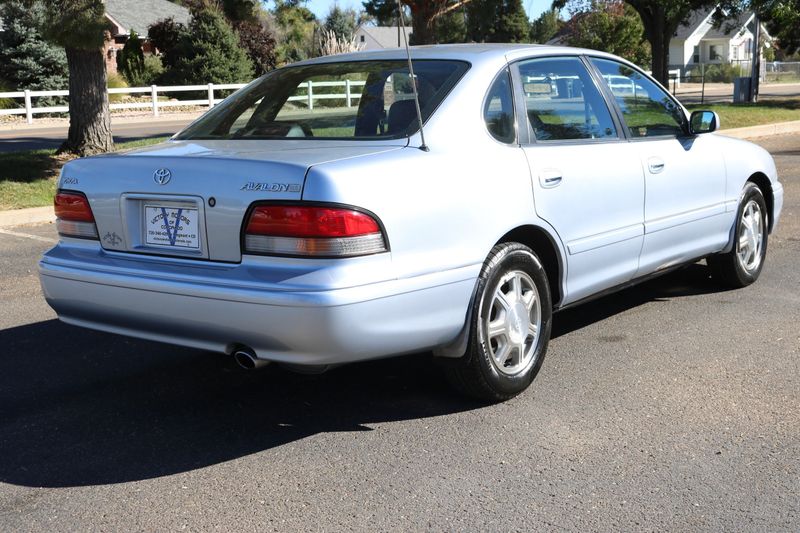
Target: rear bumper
x,y
219,307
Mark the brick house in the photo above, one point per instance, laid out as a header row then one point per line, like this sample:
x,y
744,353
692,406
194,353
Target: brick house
x,y
125,16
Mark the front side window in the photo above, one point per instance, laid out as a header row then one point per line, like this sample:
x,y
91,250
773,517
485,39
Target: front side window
x,y
352,100
498,110
563,102
649,111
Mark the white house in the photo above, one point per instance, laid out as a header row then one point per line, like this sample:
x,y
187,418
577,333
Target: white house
x,y
379,37
699,41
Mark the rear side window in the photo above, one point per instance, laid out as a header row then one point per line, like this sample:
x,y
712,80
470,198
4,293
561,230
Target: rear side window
x,y
498,111
347,100
648,110
562,101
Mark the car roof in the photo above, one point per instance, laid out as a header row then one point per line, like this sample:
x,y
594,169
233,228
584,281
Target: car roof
x,y
474,53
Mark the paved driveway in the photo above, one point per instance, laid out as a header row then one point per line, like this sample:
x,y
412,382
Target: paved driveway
x,y
672,406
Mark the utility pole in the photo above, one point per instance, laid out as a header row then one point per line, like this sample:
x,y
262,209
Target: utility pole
x,y
756,61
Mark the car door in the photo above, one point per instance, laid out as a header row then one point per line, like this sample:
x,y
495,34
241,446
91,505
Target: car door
x,y
684,209
587,180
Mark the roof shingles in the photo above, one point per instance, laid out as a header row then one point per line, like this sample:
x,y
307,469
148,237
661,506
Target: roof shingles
x,y
139,15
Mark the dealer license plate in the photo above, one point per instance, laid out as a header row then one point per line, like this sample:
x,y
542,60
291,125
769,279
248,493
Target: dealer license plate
x,y
176,227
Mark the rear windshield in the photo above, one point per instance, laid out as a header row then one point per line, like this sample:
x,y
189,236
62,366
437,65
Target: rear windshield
x,y
353,100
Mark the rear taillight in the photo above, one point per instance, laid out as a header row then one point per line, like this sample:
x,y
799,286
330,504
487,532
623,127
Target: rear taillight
x,y
321,231
74,216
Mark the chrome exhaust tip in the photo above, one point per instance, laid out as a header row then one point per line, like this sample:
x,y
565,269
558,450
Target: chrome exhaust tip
x,y
248,360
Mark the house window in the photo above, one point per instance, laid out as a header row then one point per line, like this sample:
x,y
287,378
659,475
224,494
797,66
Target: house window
x,y
735,53
713,52
696,55
363,39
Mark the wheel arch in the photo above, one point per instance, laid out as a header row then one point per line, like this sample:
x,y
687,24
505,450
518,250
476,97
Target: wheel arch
x,y
763,182
544,244
541,242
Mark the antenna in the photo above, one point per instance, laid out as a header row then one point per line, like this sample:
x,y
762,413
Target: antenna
x,y
423,146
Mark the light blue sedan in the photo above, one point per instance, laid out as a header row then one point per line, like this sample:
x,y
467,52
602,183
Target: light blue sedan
x,y
303,221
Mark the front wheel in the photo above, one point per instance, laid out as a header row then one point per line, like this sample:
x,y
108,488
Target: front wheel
x,y
509,327
742,265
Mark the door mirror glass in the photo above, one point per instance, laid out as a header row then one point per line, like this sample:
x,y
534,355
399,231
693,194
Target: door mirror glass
x,y
704,122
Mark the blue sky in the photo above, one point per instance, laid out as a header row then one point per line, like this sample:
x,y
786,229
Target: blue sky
x,y
321,7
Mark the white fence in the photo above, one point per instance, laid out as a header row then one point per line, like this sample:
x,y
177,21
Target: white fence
x,y
28,109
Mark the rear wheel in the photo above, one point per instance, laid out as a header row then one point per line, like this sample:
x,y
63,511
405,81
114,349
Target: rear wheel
x,y
742,265
509,327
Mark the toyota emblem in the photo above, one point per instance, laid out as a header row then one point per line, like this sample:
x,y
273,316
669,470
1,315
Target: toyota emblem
x,y
162,176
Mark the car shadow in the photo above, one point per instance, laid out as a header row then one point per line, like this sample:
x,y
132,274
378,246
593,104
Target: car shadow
x,y
692,280
79,407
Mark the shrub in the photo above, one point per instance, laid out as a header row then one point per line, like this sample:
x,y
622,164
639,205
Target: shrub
x,y
116,81
209,52
130,61
723,73
7,103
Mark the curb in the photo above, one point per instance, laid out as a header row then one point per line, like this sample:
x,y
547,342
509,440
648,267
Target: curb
x,y
39,215
764,130
20,217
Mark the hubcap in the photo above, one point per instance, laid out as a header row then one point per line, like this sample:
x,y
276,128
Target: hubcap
x,y
751,236
511,322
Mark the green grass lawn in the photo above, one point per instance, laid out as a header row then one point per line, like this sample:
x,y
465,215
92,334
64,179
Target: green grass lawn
x,y
764,112
28,179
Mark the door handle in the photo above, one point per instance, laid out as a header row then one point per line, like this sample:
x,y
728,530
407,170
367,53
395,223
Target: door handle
x,y
550,178
656,165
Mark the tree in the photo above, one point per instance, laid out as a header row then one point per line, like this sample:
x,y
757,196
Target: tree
x,y
130,61
259,44
27,60
384,12
342,22
661,19
165,35
782,18
429,18
497,21
611,26
80,27
546,26
208,52
296,28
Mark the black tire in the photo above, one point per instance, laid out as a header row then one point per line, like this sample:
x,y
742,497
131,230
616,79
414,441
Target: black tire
x,y
728,268
478,373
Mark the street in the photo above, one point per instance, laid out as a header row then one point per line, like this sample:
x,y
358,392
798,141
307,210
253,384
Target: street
x,y
670,406
714,93
51,136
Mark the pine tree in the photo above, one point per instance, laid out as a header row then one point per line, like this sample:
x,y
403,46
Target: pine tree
x,y
209,52
342,22
497,21
27,60
130,61
546,26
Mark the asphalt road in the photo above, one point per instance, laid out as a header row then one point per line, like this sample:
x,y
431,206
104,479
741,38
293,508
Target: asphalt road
x,y
53,136
693,93
671,406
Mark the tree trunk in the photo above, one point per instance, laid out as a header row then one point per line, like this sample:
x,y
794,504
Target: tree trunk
x,y
422,15
89,118
660,66
658,33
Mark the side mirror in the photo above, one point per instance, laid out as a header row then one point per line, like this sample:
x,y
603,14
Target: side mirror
x,y
703,122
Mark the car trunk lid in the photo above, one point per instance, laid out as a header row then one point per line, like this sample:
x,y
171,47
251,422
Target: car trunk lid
x,y
189,198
